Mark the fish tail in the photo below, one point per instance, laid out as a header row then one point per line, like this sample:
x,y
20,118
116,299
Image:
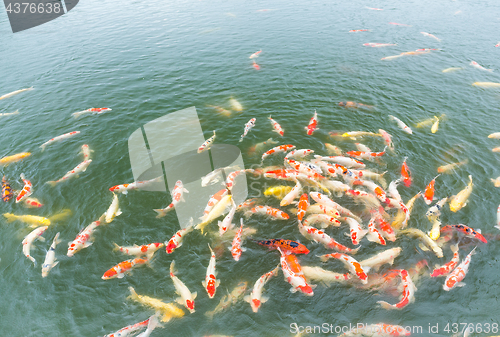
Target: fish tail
x,y
161,213
42,147
172,267
116,247
133,295
56,240
51,183
323,258
385,305
209,314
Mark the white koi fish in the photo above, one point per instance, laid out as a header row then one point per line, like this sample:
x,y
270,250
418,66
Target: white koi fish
x,y
207,144
401,124
186,297
430,35
476,65
59,138
323,209
15,93
211,283
85,238
226,224
387,138
92,110
50,259
357,232
82,167
387,256
392,190
5,114
130,329
255,298
374,234
113,210
498,217
292,195
344,161
235,105
455,278
451,69
351,263
323,219
378,45
332,149
86,151
256,54
250,124
299,154
321,275
30,238
435,211
276,126
177,196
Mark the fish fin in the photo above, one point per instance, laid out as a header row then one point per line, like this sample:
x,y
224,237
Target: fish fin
x,y
118,212
125,192
51,183
179,300
161,213
372,237
367,269
460,284
423,247
293,290
497,226
186,191
477,230
243,249
116,247
385,305
204,284
88,244
264,299
121,275
193,295
41,238
217,283
54,264
247,298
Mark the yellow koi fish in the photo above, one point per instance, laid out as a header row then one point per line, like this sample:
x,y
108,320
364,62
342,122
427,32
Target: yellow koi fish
x,y
435,126
235,105
278,192
486,84
428,122
32,220
218,210
460,200
169,310
450,167
14,158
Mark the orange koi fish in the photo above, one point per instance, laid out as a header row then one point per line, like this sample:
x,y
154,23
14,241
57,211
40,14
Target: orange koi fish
x,y
294,275
26,191
303,205
408,292
406,174
429,191
313,124
6,190
255,65
469,232
353,265
123,268
448,267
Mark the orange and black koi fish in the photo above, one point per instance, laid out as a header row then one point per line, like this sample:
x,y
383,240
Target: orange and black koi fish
x,y
289,246
6,190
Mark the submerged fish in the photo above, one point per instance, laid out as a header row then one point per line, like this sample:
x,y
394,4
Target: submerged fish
x,y
5,114
15,93
169,310
14,158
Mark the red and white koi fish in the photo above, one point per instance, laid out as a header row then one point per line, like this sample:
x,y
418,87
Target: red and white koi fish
x,y
276,126
113,210
30,238
256,54
136,250
321,209
365,155
26,191
324,220
321,275
376,189
387,256
292,195
124,188
296,280
498,44
430,35
226,224
82,167
85,238
476,65
344,161
186,297
448,267
86,151
378,45
93,110
130,329
211,283
250,124
385,227
351,263
368,199
401,124
232,176
457,275
236,248
313,124
316,235
358,30
255,298
214,199
399,24
32,203
377,330
278,149
466,230
177,196
387,138
406,174
299,154
50,258
58,138
207,144
429,191
303,168
123,268
375,9
498,217
176,240
324,200
15,93
408,292
374,235
357,232
303,205
255,65
273,212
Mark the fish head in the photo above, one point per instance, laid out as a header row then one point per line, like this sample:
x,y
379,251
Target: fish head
x,y
190,305
255,304
111,273
73,249
211,287
307,290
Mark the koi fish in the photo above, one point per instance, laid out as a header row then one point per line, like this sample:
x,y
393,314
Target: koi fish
x,y
177,196
294,277
124,188
211,283
14,158
287,246
451,69
123,268
220,110
426,240
152,324
50,258
169,310
323,209
333,150
448,267
216,212
278,149
186,297
344,161
82,167
469,232
324,200
6,114
430,35
59,138
392,190
435,231
32,203
305,168
136,250
250,124
255,298
356,231
435,211
450,167
399,24
235,105
15,93
256,54
408,293
214,199
321,275
6,190
130,329
435,126
236,248
375,9
486,84
277,191
207,144
387,256
378,45
324,220
316,235
358,134
351,263
358,30
365,155
299,154
313,124
374,234
498,44
476,65
26,191
458,274
85,238
93,110
30,238
387,138
259,147
401,124
302,206
267,210
276,126
227,300
255,65
355,105
459,201
176,240
377,190
429,191
113,210
292,195
226,224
